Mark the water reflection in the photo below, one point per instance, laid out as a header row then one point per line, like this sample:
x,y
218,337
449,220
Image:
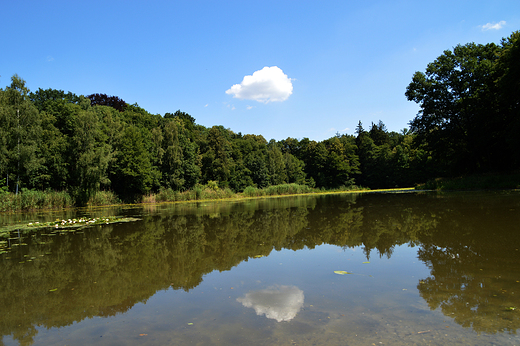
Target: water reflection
x,y
278,303
470,243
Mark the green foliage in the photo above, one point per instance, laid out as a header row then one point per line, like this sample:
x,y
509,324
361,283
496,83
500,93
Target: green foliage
x,y
469,114
21,136
90,156
133,173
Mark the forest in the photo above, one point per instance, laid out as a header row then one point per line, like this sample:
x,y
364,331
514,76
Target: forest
x,y
468,123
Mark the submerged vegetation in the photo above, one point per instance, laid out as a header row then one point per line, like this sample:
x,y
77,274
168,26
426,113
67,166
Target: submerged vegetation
x,y
59,149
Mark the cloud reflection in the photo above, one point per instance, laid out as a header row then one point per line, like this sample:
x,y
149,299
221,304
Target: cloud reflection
x,y
280,303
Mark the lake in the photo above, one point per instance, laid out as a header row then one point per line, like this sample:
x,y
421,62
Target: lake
x,y
338,269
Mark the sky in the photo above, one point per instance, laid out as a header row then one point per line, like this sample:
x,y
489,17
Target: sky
x,y
299,69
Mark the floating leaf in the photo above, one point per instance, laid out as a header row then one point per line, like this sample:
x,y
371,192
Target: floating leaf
x,y
365,262
341,272
190,324
54,289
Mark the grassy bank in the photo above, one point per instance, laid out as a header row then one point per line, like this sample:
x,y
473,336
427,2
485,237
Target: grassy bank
x,y
212,192
474,182
30,200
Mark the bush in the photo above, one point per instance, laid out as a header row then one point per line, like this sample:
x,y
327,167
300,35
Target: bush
x,y
251,191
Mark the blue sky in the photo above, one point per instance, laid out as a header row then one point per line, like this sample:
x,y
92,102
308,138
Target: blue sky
x,y
321,66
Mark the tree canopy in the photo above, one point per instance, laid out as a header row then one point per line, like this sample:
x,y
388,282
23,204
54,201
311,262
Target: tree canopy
x,y
469,116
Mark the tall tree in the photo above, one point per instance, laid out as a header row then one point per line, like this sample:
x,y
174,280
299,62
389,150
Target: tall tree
x,y
90,156
216,160
133,173
276,164
508,84
457,96
21,136
181,162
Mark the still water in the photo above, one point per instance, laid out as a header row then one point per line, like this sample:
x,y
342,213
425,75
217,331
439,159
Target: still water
x,y
382,269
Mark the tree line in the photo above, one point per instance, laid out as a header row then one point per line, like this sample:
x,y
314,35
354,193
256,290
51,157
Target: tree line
x,y
469,99
83,144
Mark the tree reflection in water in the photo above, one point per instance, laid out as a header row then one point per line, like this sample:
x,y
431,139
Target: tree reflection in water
x,y
469,242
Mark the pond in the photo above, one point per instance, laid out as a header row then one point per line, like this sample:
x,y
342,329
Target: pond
x,y
343,269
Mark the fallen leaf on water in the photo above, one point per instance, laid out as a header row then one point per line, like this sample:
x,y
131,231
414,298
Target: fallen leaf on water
x,y
190,324
54,289
341,272
365,262
143,334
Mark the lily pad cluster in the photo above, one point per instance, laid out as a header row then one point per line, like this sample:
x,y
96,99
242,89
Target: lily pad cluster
x,y
73,222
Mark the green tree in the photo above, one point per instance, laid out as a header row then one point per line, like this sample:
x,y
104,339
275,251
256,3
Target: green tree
x,y
276,164
90,157
458,100
508,84
295,169
216,160
379,133
21,134
133,173
181,161
315,158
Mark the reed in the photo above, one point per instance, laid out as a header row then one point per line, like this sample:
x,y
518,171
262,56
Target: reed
x,y
103,198
34,200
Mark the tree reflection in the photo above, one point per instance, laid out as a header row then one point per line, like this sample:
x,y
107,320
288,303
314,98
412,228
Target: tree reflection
x,y
57,280
474,259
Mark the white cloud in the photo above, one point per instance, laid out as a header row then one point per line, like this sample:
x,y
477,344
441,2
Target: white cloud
x,y
495,26
207,104
249,107
278,303
269,84
49,58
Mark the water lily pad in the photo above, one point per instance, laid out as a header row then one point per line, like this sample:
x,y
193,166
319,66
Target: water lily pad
x,y
341,272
